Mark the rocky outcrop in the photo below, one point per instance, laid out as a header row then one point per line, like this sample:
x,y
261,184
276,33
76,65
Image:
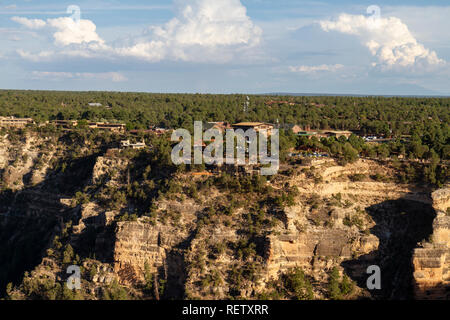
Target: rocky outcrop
x,y
108,168
316,247
441,199
92,215
21,162
432,261
158,246
138,244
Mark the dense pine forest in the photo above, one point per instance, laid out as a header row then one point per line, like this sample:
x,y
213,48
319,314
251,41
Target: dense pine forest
x,y
139,110
418,128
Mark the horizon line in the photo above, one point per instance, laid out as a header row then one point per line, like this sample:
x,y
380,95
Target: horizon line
x,y
298,94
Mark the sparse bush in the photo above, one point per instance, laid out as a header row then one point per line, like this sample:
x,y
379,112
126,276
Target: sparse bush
x,y
297,285
68,254
337,288
357,177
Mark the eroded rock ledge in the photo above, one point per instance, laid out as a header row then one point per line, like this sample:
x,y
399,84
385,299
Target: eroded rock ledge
x,y
432,261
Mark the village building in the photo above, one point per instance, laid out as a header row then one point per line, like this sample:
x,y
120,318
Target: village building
x,y
152,130
69,124
272,102
221,126
127,144
295,128
309,134
318,105
338,134
15,122
114,127
257,126
324,134
65,124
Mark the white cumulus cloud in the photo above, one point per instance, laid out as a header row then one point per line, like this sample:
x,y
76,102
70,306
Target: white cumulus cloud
x,y
314,69
210,23
388,39
74,32
43,55
68,31
203,29
30,23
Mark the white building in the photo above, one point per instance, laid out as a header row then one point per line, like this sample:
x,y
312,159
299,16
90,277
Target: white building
x,y
127,144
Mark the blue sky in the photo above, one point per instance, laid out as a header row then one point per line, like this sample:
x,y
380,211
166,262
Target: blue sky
x,y
227,46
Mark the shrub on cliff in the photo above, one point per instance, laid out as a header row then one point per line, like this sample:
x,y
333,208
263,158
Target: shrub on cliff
x,y
149,279
357,177
337,288
334,291
297,285
115,292
68,254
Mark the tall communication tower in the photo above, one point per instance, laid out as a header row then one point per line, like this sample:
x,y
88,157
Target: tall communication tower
x,y
246,104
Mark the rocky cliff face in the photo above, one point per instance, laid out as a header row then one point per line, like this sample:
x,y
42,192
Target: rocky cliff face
x,y
333,229
142,247
312,249
23,162
432,260
193,245
316,249
36,203
138,245
353,225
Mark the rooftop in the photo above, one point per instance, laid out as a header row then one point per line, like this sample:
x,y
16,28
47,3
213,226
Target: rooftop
x,y
249,124
15,119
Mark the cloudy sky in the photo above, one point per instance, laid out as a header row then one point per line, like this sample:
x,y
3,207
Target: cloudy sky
x,y
227,46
